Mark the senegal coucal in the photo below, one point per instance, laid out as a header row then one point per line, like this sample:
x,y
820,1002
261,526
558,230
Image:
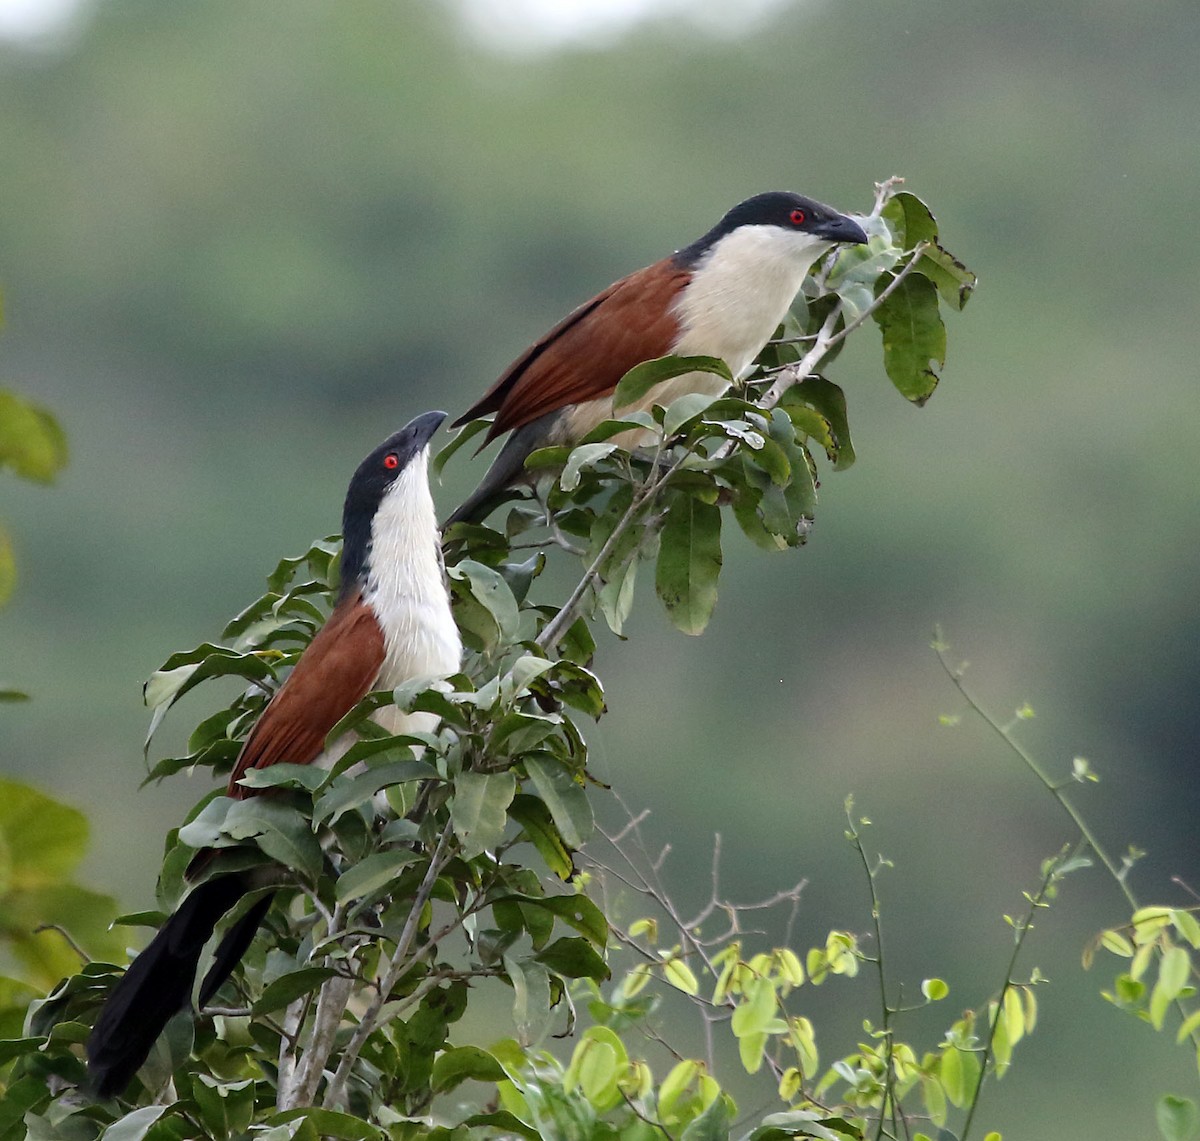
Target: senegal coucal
x,y
391,624
722,296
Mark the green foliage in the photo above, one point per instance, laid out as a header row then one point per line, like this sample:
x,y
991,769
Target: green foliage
x,y
48,923
33,446
1157,937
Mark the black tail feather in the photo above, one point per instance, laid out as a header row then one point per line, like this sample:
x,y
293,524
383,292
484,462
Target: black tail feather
x,y
507,469
159,981
232,947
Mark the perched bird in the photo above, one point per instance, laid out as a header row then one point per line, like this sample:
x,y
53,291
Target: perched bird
x,y
722,296
391,624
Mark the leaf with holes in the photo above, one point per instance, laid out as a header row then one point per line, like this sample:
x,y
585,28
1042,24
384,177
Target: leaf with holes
x,y
689,563
914,338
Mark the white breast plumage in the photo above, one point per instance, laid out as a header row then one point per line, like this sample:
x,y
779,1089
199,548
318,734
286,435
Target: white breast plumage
x,y
740,291
406,586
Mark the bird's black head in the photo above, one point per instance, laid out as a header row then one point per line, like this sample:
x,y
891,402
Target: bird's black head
x,y
791,213
371,482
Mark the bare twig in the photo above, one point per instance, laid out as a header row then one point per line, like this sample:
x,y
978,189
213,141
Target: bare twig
x,y
331,1005
1039,900
1003,731
66,935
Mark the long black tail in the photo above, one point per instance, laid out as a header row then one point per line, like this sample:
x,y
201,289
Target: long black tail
x,y
496,486
159,981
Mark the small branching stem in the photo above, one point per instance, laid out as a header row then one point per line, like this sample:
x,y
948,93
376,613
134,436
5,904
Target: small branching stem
x,y
1004,732
396,967
1023,930
573,607
885,1006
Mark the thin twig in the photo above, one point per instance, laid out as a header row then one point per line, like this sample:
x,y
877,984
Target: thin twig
x,y
331,1005
83,955
571,609
889,1067
1027,926
399,963
1056,790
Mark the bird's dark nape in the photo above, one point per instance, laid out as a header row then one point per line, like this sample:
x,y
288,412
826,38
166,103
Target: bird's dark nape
x,y
159,981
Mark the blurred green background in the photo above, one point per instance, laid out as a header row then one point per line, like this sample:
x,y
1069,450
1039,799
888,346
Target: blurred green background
x,y
239,243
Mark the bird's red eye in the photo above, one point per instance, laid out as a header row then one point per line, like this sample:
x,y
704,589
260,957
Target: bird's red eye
x,y
391,461
798,217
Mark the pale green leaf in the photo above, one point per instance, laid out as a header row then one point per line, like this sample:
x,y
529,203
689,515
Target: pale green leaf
x,y
583,456
1178,1118
31,442
640,379
479,811
914,338
689,563
568,803
373,873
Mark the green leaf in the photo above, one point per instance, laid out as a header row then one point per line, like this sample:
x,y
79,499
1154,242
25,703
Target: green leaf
x,y
680,976
640,379
457,1065
912,222
31,441
689,563
1187,926
8,580
804,1123
616,597
953,1075
934,989
827,399
373,873
479,811
914,338
568,803
576,910
463,436
488,588
41,840
504,1124
684,409
287,988
345,793
606,429
1173,973
279,831
597,1074
583,456
756,1010
574,958
531,998
534,817
284,775
134,1126
713,1124
328,1123
1177,1117
751,1048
